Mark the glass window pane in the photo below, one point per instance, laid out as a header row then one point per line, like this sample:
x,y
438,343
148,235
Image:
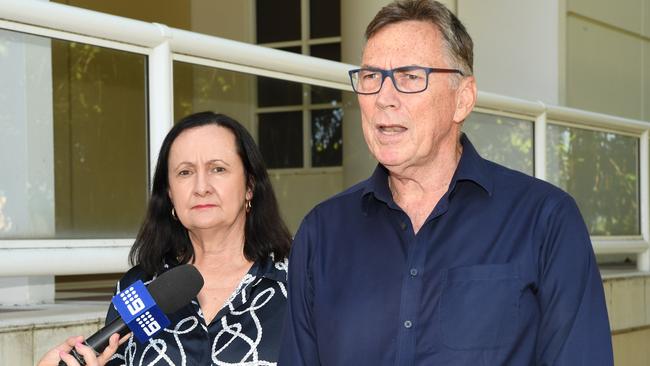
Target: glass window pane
x,y
325,18
280,139
278,20
327,137
504,140
200,88
320,94
76,115
600,170
275,92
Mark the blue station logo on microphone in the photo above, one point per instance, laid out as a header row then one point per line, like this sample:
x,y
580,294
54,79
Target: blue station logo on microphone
x,y
148,324
140,312
132,301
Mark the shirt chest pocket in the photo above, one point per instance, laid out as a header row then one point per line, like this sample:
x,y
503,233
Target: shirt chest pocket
x,y
479,306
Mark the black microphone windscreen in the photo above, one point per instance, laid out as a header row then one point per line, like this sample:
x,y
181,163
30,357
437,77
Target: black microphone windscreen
x,y
171,291
176,287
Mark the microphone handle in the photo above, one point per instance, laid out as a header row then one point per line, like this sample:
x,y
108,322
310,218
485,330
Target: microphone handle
x,y
99,340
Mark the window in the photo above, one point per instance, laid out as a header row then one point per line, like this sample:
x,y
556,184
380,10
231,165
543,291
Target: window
x,y
288,112
78,154
601,171
504,140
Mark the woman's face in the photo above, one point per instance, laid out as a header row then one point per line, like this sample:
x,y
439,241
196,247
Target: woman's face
x,y
207,184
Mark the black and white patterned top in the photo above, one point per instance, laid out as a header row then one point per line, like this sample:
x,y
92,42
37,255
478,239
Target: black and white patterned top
x,y
245,332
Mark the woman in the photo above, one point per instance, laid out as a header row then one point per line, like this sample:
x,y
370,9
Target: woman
x,y
211,205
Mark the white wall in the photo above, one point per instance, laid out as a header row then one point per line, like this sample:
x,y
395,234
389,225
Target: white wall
x,y
608,57
516,46
224,18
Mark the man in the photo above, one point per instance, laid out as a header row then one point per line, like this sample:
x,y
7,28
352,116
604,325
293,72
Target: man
x,y
440,257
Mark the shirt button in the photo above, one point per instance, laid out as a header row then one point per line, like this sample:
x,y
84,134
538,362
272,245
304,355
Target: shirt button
x,y
414,272
408,324
402,225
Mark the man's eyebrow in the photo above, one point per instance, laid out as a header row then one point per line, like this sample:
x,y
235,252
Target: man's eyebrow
x,y
372,67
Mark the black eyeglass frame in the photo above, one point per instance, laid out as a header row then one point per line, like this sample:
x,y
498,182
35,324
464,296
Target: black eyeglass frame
x,y
390,74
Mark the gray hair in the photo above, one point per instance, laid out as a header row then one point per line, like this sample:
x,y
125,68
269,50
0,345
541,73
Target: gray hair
x,y
457,42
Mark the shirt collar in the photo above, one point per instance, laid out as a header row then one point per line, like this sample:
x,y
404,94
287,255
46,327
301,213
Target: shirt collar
x,y
471,167
269,268
377,184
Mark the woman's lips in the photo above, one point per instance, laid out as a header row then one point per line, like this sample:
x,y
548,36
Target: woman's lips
x,y
204,206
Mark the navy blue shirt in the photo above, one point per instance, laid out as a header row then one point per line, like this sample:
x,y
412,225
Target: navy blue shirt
x,y
501,273
246,331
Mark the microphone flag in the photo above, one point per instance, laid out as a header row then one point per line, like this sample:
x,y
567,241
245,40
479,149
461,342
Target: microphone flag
x,y
140,312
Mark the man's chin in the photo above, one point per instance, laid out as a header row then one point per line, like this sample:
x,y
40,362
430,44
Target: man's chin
x,y
391,161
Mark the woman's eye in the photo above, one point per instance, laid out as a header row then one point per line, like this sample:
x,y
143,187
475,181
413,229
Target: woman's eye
x,y
184,173
218,169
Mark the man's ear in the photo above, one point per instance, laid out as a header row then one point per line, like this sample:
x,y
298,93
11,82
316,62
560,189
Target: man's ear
x,y
466,95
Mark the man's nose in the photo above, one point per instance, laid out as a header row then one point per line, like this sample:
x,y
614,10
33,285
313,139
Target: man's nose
x,y
388,96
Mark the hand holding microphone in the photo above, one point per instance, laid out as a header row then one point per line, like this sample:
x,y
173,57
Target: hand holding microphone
x,y
169,292
61,353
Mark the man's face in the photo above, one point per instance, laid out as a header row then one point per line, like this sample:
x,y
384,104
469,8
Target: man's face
x,y
410,130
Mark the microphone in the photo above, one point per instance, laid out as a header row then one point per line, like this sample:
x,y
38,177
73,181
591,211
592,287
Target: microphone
x,y
170,291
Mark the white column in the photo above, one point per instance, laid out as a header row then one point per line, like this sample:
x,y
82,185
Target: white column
x,y
26,155
358,163
161,98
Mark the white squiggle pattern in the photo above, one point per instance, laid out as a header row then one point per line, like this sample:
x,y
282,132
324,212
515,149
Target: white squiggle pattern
x,y
282,266
234,330
177,331
283,288
158,348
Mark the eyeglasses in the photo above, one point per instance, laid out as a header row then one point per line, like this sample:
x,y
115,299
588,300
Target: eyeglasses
x,y
406,79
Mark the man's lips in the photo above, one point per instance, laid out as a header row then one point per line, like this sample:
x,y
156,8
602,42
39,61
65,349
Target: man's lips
x,y
391,129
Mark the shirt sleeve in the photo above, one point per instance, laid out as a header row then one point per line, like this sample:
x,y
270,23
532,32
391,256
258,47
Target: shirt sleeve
x,y
574,328
299,347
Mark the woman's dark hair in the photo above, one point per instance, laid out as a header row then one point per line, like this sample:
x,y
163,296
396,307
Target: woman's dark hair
x,y
163,238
